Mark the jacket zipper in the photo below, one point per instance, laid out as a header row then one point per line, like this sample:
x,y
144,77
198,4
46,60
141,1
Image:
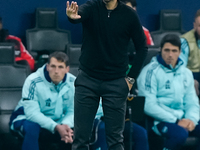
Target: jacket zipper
x,y
109,14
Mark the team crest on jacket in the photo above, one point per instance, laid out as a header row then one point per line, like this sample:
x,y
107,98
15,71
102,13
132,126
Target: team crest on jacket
x,y
185,83
48,102
167,85
71,79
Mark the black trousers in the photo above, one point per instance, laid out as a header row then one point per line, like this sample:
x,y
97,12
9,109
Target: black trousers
x,y
88,92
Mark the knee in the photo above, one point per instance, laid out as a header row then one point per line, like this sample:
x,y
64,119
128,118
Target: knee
x,y
143,134
31,128
181,137
139,133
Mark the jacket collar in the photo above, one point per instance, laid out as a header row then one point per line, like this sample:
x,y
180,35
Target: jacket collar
x,y
162,62
196,35
118,5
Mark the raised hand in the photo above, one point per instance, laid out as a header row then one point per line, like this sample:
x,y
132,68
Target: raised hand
x,y
72,10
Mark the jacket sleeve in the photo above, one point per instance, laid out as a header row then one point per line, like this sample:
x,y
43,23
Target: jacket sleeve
x,y
147,87
26,56
184,51
190,101
24,53
139,40
84,11
32,108
149,40
69,110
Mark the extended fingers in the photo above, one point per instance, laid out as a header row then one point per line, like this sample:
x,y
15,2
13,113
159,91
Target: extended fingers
x,y
76,9
191,126
73,5
67,4
67,139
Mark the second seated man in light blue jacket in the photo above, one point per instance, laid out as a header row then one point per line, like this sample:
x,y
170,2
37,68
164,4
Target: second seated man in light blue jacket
x,y
47,104
171,99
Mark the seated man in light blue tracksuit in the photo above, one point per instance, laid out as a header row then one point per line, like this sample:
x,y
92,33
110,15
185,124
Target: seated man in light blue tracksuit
x,y
47,105
171,99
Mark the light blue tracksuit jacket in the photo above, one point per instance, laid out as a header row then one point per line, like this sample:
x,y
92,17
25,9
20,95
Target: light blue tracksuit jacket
x,y
44,102
169,92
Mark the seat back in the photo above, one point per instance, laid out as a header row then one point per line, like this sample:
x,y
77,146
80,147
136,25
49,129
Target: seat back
x,y
170,22
152,51
46,41
74,53
12,77
46,37
7,53
157,36
46,18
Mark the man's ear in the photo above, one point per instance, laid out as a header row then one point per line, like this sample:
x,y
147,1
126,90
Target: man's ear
x,y
194,25
47,67
67,69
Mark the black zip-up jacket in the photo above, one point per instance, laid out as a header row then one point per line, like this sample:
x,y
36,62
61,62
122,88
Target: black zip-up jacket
x,y
106,35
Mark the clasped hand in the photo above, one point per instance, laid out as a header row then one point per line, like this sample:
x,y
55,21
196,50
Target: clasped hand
x,y
66,133
187,124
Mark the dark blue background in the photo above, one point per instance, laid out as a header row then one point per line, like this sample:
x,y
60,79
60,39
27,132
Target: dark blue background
x,y
19,15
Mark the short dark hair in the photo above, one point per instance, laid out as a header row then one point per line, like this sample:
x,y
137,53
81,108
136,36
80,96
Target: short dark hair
x,y
197,14
133,2
172,39
60,56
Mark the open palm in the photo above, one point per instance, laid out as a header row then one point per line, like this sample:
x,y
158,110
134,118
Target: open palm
x,y
72,10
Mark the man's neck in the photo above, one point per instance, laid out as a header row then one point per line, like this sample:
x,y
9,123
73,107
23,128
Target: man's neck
x,y
110,5
196,35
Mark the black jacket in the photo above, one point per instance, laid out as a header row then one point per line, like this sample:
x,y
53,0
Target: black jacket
x,y
106,35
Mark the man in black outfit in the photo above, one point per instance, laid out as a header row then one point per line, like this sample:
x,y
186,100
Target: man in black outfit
x,y
108,25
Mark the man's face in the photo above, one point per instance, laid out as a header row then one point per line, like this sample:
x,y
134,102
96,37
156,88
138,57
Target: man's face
x,y
197,25
170,54
57,70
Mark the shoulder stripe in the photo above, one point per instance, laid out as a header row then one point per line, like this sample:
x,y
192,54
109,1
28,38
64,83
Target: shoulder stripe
x,y
149,76
184,45
32,87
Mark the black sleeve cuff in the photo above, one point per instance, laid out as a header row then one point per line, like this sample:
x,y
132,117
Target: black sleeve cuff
x,y
177,121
